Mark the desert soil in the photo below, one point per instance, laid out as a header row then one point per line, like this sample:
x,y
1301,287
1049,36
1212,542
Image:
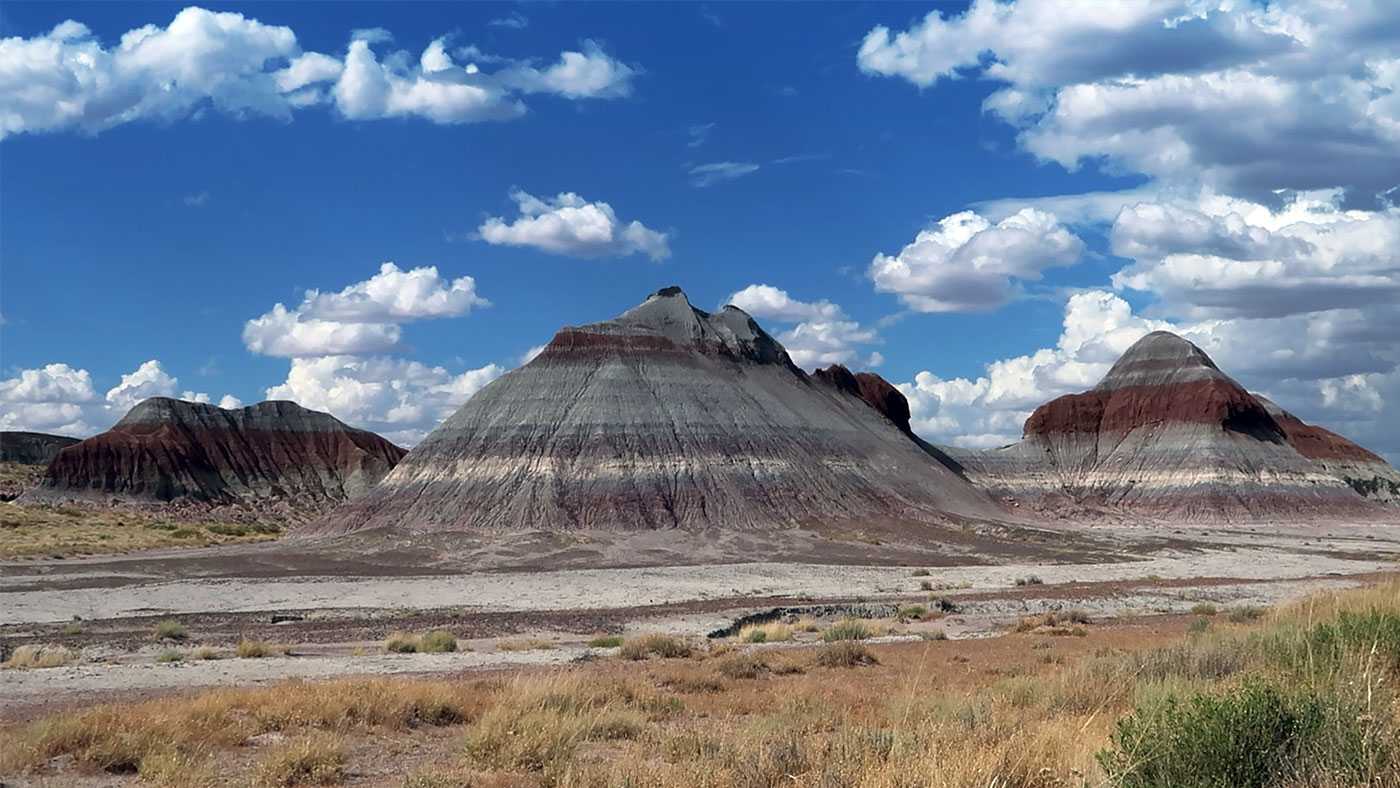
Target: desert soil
x,y
334,620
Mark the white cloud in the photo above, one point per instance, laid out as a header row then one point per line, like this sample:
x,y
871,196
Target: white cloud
x,y
1222,257
966,263
529,355
362,318
55,398
703,175
147,380
60,399
197,200
768,302
400,399
67,79
1245,98
230,402
291,333
395,295
570,225
591,73
818,343
823,334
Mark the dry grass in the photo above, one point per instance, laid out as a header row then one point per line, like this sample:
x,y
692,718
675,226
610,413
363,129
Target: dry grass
x,y
770,632
525,644
29,656
993,712
437,641
314,759
257,649
131,737
80,530
654,644
170,629
204,653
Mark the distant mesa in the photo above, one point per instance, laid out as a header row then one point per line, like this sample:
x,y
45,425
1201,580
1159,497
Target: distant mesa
x,y
23,456
31,448
1167,433
275,456
666,417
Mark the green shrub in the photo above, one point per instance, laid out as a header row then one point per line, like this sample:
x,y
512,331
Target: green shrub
x,y
1203,609
1256,735
605,641
912,613
170,629
170,655
850,629
437,641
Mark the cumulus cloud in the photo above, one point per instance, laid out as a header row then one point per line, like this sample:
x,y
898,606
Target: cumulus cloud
x,y
823,333
768,302
1223,257
1244,98
703,175
60,399
362,318
147,380
965,263
68,79
570,225
401,399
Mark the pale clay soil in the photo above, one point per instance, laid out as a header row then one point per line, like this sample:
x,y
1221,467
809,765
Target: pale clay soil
x,y
1227,567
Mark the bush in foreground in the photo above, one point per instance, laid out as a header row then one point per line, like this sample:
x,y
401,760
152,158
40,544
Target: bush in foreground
x,y
850,629
315,759
1259,734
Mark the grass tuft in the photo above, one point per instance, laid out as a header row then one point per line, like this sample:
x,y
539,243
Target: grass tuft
x,y
654,644
30,656
170,629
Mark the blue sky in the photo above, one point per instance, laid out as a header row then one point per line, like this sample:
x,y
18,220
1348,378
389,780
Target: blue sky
x,y
152,222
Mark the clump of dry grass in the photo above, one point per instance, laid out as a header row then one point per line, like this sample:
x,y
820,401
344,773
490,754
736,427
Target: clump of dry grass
x,y
844,654
1203,609
806,624
35,530
605,641
170,629
204,653
525,644
31,656
536,723
769,632
130,737
257,649
314,759
437,641
654,644
170,655
742,665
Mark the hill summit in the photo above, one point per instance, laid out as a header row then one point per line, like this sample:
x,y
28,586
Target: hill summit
x,y
664,417
270,454
1167,433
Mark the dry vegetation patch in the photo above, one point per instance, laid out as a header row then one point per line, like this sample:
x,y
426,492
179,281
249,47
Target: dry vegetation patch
x,y
40,656
35,530
1301,698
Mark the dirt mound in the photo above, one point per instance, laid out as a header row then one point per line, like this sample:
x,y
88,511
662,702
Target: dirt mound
x,y
664,417
272,454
